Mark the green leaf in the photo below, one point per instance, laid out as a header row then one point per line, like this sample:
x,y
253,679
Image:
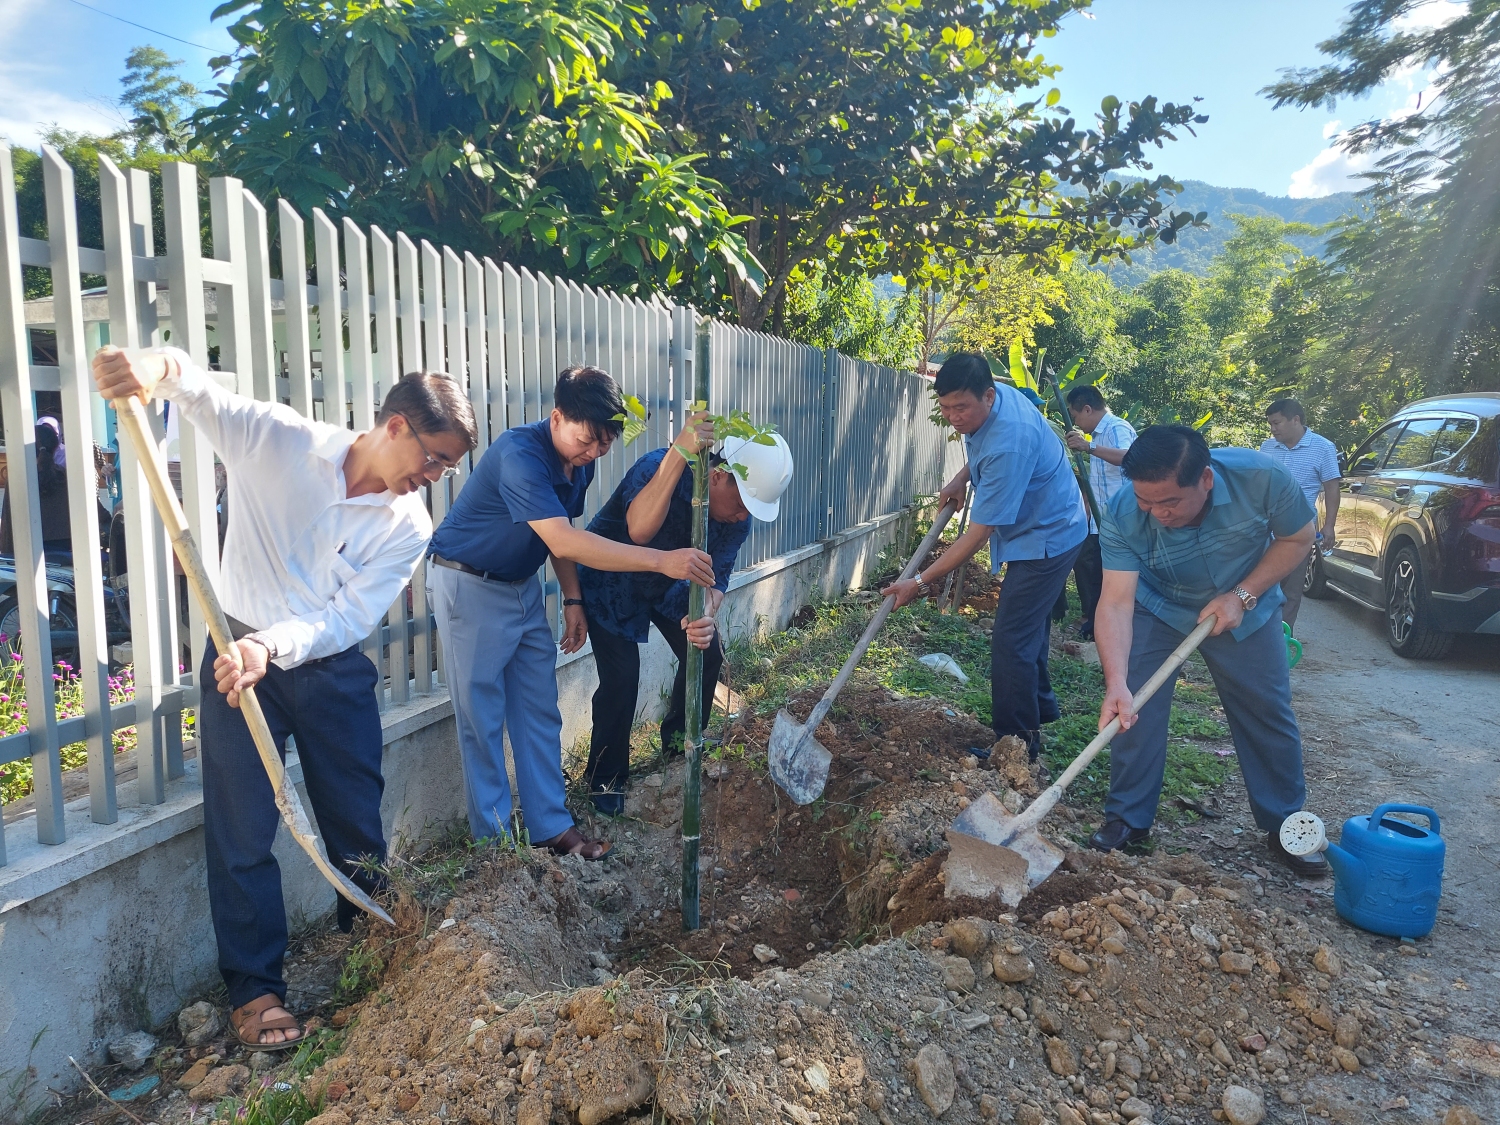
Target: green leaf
x,y
314,76
634,419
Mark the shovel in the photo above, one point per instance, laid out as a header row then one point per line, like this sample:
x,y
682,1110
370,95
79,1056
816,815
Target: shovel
x,y
992,851
799,763
132,419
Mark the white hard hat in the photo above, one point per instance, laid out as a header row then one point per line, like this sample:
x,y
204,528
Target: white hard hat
x,y
768,470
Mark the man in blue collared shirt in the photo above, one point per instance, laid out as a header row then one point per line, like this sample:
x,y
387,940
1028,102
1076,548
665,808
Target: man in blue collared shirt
x,y
653,506
1028,506
514,511
1196,534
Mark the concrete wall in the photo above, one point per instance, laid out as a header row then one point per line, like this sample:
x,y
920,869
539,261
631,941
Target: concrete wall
x,y
110,931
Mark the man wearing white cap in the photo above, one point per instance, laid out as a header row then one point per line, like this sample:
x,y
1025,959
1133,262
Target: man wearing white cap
x,y
653,507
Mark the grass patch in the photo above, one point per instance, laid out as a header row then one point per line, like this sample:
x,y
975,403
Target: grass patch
x,y
281,1099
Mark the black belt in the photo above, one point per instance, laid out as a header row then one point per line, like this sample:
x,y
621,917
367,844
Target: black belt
x,y
487,575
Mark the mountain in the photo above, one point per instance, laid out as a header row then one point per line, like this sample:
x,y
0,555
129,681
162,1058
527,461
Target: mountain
x,y
1195,249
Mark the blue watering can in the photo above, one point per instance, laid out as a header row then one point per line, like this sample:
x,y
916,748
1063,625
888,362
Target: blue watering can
x,y
1388,874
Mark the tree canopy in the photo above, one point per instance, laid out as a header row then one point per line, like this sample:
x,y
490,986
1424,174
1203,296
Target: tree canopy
x,y
1411,295
876,135
491,125
704,152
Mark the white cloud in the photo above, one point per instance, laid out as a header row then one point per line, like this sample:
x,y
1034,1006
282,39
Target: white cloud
x,y
1434,13
39,87
28,109
1332,170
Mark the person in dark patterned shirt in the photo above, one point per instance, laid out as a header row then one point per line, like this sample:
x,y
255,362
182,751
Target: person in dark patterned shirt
x,y
653,507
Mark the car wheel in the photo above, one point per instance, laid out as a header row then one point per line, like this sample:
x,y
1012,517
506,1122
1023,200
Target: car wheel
x,y
1314,578
63,620
1408,612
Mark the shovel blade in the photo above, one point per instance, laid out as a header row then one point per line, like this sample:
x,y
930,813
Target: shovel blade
x,y
800,770
986,858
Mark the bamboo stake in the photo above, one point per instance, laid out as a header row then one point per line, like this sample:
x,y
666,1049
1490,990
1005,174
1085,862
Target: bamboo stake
x,y
692,739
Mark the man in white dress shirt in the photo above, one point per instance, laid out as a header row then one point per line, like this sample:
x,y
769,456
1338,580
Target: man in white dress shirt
x,y
1314,464
326,527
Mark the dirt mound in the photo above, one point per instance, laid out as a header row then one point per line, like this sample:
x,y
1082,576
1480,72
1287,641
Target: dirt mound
x,y
1123,989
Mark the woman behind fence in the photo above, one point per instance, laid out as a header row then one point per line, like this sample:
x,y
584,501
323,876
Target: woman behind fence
x,y
326,526
52,496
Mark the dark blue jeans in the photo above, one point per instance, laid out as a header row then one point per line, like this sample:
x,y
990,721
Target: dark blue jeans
x,y
329,707
1021,697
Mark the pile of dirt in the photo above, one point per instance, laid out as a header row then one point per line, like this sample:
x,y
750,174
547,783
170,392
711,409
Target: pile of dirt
x,y
1123,990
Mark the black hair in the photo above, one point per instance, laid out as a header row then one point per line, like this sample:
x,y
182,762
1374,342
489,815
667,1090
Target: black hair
x,y
431,403
1161,451
964,371
1086,395
49,474
1287,408
590,395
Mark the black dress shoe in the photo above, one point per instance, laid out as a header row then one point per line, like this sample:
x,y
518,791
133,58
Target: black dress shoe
x,y
1312,866
1115,834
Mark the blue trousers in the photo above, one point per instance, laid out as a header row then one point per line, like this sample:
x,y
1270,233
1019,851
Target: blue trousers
x,y
1256,691
1021,696
502,675
330,707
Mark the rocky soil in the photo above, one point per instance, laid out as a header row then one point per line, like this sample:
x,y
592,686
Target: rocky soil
x,y
834,981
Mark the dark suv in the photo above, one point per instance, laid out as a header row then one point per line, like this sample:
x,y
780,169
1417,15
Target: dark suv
x,y
1418,531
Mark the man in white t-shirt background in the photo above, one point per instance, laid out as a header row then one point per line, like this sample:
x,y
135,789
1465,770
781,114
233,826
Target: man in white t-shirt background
x,y
1314,464
1108,437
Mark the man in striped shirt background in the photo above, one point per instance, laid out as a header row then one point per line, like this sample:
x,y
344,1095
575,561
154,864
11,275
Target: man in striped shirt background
x,y
1313,462
1111,436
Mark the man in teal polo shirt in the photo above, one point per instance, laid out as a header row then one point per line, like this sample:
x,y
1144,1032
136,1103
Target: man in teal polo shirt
x,y
1196,533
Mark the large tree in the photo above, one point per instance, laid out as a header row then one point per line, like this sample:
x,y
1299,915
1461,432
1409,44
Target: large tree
x,y
878,135
1413,295
489,124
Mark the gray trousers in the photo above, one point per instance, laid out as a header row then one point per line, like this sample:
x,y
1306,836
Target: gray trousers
x,y
1255,689
1291,586
502,675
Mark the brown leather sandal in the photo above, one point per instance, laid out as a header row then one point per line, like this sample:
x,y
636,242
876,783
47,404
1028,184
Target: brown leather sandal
x,y
573,842
249,1023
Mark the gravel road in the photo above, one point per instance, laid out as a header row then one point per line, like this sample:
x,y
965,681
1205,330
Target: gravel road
x,y
1380,728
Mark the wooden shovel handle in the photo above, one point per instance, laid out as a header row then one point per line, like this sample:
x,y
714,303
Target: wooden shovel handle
x,y
1028,820
868,636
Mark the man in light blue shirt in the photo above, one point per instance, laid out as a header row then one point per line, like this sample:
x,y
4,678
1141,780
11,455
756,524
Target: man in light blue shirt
x,y
1028,506
1196,534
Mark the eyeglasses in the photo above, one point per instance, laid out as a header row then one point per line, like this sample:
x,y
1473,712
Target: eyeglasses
x,y
448,470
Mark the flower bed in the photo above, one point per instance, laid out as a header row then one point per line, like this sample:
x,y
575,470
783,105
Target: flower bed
x,y
15,777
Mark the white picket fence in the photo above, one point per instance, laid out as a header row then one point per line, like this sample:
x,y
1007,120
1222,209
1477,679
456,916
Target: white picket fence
x,y
860,434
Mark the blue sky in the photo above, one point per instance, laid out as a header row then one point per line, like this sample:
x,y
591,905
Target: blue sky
x,y
61,61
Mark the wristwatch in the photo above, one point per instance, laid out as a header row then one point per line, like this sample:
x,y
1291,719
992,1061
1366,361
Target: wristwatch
x,y
572,601
924,590
265,642
1246,596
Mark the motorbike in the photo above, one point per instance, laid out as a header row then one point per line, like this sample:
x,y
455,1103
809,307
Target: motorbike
x,y
62,607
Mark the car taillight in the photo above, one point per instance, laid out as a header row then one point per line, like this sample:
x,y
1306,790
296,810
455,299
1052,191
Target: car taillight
x,y
1479,504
